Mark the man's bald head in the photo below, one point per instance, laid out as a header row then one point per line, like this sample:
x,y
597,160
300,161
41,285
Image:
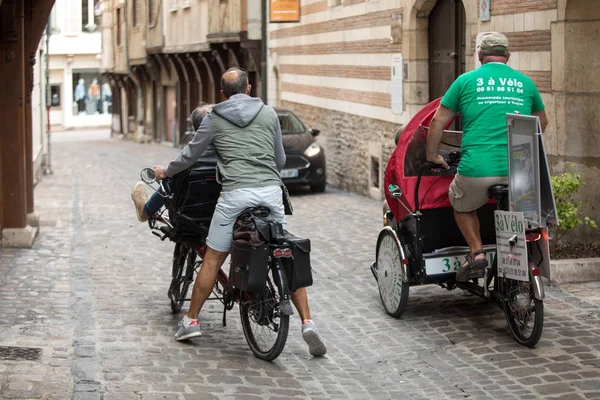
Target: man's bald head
x,y
234,81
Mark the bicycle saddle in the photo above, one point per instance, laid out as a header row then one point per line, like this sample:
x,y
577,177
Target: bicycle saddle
x,y
498,191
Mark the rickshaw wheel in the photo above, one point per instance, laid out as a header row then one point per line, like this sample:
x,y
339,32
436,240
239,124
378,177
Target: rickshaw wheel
x,y
524,313
393,291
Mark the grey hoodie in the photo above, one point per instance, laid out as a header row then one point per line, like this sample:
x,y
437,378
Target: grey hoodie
x,y
247,139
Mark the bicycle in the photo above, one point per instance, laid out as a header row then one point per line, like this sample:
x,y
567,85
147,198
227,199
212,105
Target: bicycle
x,y
264,299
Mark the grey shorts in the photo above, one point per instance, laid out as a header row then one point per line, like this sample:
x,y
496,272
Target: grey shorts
x,y
232,203
468,194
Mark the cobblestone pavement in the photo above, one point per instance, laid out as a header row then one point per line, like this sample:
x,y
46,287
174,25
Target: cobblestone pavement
x,y
91,295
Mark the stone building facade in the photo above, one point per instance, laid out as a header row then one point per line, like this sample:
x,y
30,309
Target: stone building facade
x,y
165,57
359,69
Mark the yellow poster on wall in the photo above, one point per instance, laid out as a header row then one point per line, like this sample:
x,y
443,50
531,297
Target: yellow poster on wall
x,y
285,11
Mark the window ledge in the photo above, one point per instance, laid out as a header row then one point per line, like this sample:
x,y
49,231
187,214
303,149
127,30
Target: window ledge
x,y
173,9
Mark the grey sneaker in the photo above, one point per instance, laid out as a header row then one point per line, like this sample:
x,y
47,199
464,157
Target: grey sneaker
x,y
140,197
311,336
188,328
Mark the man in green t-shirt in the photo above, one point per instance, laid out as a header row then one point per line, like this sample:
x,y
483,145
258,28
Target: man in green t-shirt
x,y
483,97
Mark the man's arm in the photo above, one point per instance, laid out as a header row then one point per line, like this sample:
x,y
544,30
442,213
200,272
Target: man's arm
x,y
543,118
442,116
279,152
194,149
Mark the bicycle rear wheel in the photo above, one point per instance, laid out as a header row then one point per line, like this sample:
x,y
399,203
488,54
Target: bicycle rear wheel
x,y
265,325
184,258
524,313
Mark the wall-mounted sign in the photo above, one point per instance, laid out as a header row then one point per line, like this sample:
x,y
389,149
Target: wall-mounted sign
x,y
285,11
484,10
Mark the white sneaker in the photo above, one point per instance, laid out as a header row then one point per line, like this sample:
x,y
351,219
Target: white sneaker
x,y
140,197
311,336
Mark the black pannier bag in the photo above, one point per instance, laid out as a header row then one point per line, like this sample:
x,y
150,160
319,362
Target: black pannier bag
x,y
297,269
249,256
196,192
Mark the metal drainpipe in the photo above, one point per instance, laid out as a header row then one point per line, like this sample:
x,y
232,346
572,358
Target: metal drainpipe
x,y
48,168
263,46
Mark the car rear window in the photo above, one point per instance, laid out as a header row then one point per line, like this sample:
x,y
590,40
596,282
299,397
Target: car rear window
x,y
290,124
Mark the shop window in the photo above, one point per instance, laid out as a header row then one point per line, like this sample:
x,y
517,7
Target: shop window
x,y
55,95
91,94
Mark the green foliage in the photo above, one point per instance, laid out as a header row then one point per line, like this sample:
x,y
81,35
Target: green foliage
x,y
566,187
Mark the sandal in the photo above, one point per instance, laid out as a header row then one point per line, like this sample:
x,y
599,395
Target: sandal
x,y
472,268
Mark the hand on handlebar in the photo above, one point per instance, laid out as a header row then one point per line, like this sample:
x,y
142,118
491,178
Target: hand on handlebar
x,y
160,172
440,161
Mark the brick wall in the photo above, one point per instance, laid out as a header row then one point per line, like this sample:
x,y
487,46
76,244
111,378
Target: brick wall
x,y
356,47
370,20
313,8
521,6
339,71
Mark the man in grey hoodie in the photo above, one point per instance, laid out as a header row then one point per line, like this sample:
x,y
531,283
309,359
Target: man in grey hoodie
x,y
247,138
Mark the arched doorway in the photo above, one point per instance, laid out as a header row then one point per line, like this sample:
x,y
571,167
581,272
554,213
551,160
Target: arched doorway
x,y
447,45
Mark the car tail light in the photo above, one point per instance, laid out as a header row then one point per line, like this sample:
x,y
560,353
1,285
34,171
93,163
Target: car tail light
x,y
282,253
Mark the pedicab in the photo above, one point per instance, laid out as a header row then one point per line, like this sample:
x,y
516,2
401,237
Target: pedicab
x,y
421,244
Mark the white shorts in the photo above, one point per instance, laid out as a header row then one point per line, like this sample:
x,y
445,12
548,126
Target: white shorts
x,y
232,203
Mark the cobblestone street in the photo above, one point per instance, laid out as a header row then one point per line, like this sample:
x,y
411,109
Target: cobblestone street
x,y
92,295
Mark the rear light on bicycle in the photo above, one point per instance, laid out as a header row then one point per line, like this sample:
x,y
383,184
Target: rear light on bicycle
x,y
533,237
535,271
282,253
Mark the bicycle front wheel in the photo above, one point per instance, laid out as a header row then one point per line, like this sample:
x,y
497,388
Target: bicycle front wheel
x,y
184,258
524,313
265,325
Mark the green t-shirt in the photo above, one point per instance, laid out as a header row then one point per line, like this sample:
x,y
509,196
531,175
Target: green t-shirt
x,y
483,97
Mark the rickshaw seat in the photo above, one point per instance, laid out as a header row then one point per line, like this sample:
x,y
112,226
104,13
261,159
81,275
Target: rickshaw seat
x,y
498,191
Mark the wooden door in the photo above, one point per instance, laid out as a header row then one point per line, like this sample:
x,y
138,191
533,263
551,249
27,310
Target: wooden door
x,y
447,42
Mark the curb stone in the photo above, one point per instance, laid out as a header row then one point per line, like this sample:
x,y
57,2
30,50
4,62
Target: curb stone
x,y
574,270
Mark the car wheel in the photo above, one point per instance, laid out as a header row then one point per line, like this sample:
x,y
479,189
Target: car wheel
x,y
319,187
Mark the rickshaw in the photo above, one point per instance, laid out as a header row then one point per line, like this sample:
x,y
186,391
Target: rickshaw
x,y
421,244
